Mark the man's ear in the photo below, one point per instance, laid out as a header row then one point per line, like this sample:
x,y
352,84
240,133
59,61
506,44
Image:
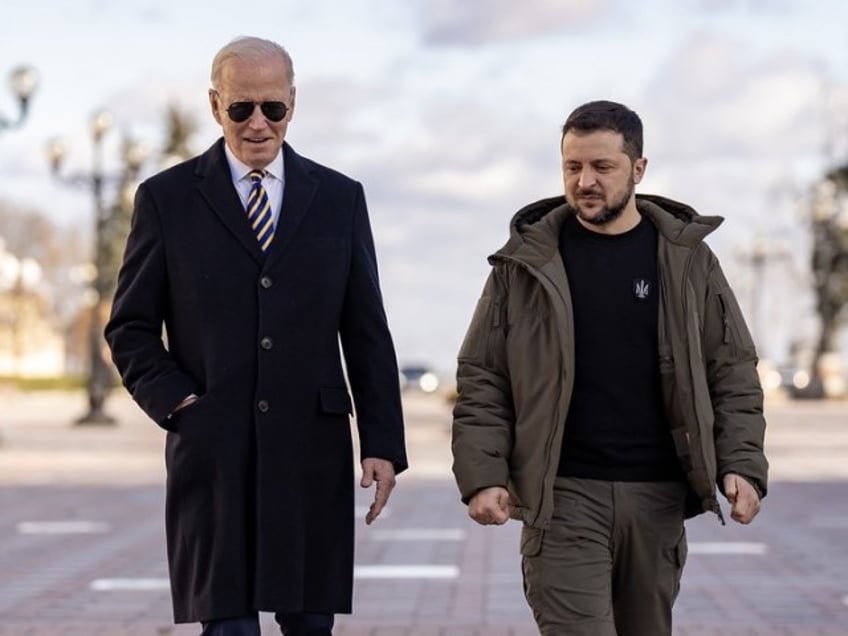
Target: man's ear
x,y
639,167
215,105
293,100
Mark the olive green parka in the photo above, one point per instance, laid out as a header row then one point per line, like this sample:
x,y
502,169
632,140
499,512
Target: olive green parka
x,y
516,365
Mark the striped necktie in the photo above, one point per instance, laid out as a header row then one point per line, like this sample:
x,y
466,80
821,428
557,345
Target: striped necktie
x,y
259,210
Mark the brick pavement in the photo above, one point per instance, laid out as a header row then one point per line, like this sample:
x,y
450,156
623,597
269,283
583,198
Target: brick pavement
x,y
789,579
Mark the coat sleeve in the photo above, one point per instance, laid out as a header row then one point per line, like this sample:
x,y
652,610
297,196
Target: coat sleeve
x,y
135,328
735,390
369,351
483,416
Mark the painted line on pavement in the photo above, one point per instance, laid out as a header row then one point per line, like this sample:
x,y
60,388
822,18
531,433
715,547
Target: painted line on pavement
x,y
405,572
63,527
726,547
359,572
135,585
418,534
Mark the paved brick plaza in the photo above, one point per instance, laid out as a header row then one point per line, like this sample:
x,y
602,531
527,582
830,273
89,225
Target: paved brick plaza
x,y
82,548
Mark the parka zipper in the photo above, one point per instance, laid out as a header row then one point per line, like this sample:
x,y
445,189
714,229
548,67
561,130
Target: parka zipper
x,y
725,320
496,318
713,504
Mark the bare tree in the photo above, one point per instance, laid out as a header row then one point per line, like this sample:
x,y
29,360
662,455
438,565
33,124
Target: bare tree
x,y
180,127
29,233
829,263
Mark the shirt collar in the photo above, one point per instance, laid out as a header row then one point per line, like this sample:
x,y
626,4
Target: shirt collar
x,y
240,170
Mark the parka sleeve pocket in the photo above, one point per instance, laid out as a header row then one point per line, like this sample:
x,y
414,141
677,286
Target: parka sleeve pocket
x,y
531,541
335,401
735,332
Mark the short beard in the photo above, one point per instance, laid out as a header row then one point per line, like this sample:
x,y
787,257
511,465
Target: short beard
x,y
610,213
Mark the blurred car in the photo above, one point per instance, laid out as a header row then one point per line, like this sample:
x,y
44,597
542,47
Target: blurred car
x,y
798,384
419,378
793,381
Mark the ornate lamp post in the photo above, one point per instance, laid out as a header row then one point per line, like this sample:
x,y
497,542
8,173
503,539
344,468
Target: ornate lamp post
x,y
100,374
23,81
763,253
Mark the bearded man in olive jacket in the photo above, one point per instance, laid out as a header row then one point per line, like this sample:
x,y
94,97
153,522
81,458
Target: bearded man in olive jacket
x,y
607,384
258,262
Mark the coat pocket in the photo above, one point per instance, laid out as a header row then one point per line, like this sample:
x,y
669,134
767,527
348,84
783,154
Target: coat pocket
x,y
335,401
531,541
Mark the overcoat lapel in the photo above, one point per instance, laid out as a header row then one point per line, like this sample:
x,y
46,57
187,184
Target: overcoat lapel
x,y
299,190
216,187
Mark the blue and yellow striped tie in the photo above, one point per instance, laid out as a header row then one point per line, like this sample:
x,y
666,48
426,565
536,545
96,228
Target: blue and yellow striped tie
x,y
259,210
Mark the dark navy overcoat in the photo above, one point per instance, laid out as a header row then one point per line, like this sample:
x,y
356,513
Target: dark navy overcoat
x,y
260,470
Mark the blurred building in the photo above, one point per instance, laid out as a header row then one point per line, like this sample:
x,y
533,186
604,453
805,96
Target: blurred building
x,y
30,345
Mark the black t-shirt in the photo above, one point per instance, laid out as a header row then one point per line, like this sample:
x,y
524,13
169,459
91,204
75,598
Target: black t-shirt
x,y
616,428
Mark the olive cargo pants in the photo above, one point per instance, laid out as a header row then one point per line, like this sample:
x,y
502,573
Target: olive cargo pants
x,y
611,560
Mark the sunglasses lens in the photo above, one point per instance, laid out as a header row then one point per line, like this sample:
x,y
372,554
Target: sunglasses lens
x,y
275,111
240,111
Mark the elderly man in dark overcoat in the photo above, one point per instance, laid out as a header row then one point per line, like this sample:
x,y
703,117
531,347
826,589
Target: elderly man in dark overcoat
x,y
260,265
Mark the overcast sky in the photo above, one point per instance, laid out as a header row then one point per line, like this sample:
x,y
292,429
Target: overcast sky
x,y
449,111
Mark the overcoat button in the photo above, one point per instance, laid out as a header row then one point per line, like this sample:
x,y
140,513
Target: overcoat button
x,y
263,406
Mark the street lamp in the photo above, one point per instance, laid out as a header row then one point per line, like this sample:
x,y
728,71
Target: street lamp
x,y
100,375
23,81
763,251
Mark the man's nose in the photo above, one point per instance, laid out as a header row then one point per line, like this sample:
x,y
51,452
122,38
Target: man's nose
x,y
587,178
257,119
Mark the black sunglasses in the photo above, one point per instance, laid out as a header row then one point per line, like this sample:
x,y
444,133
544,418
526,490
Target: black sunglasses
x,y
241,111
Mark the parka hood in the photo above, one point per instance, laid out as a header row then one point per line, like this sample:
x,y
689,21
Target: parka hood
x,y
534,229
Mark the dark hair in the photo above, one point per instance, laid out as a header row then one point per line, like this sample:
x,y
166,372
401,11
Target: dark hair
x,y
604,115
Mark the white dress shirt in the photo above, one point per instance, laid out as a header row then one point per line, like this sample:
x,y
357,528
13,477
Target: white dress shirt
x,y
274,181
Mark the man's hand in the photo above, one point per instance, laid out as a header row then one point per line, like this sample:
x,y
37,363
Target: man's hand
x,y
383,472
743,497
490,506
187,401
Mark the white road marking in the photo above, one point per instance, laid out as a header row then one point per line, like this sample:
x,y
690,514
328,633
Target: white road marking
x,y
359,572
405,572
63,527
117,585
418,534
726,547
